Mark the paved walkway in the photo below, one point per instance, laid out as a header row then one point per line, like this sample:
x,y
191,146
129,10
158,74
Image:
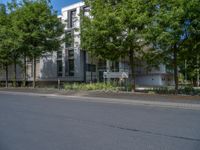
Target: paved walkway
x,y
184,102
109,94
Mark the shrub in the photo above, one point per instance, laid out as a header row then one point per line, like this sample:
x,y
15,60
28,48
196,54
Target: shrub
x,y
189,90
91,86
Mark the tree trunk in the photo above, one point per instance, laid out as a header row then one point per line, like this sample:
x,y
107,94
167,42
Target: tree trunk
x,y
6,69
91,73
198,70
24,82
15,72
175,70
34,72
132,65
108,70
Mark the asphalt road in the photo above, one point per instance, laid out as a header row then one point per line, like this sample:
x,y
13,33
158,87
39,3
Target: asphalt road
x,y
50,123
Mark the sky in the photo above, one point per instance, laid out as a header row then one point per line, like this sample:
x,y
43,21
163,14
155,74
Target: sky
x,y
57,4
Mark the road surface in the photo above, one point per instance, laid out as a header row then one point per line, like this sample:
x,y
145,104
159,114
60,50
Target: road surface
x,y
52,123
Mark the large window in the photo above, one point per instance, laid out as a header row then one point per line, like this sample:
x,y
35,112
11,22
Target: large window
x,y
59,54
59,68
71,67
71,54
71,62
72,18
69,39
115,66
91,68
66,67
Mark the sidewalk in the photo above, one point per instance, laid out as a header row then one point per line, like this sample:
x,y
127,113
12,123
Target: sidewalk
x,y
182,102
112,95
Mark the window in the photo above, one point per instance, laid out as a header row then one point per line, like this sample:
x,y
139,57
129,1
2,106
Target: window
x,y
86,11
115,66
72,18
66,67
59,68
71,67
71,62
59,55
102,65
69,39
91,68
70,54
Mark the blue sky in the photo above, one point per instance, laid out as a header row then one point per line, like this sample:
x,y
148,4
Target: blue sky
x,y
57,4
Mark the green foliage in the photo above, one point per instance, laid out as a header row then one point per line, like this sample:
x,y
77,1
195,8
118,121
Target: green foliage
x,y
187,90
28,28
91,86
5,40
190,48
116,29
174,33
40,27
99,34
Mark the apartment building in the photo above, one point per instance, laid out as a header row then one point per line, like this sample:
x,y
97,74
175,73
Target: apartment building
x,y
72,64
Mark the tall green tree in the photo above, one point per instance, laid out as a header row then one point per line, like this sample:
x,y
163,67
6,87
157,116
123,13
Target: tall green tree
x,y
19,27
5,41
115,29
15,37
191,47
99,33
136,17
41,30
168,29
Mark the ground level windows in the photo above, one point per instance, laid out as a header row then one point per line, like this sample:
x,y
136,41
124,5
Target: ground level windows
x,y
59,68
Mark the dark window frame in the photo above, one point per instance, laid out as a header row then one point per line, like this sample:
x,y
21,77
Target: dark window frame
x,y
71,16
59,68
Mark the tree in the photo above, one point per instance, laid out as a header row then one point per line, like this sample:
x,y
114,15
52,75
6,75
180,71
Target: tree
x,y
136,17
115,29
19,27
191,46
41,30
5,41
175,32
15,37
99,34
168,30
